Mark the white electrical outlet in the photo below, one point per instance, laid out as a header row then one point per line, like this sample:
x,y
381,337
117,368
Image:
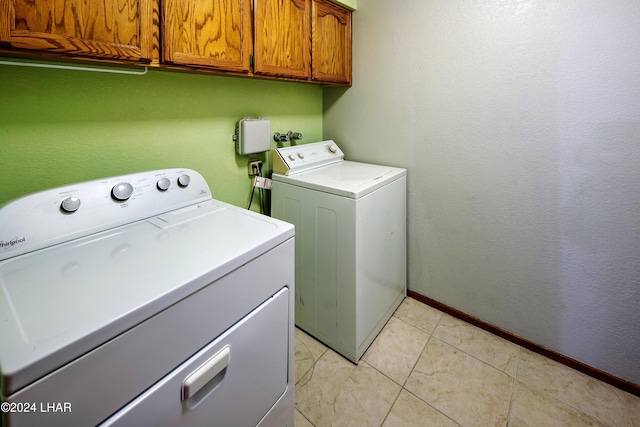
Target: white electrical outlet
x,y
254,167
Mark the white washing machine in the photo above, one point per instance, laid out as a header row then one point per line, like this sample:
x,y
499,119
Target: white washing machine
x,y
350,221
139,300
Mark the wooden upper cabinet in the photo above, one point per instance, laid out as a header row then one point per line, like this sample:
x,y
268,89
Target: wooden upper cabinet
x,y
212,33
303,39
306,40
282,39
331,43
114,29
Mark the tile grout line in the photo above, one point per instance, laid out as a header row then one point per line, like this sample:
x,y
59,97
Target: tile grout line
x,y
567,403
432,336
392,405
574,364
515,378
402,386
312,370
514,384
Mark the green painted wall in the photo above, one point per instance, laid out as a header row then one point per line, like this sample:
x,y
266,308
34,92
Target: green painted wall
x,y
61,126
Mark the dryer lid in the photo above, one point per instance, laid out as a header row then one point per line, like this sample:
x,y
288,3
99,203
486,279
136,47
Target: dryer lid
x,y
60,302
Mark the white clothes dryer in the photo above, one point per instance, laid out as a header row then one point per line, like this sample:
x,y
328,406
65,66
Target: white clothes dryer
x,y
350,221
140,300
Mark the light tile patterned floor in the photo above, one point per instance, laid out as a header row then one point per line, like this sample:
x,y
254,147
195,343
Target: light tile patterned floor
x,y
427,368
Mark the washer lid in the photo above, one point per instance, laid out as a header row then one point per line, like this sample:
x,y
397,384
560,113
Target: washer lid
x,y
345,178
60,302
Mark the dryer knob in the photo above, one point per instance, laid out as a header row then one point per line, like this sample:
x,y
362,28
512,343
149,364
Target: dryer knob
x,y
332,148
163,184
184,180
70,204
122,191
292,157
301,155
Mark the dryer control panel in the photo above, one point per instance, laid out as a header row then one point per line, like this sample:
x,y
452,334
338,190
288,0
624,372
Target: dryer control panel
x,y
299,158
61,214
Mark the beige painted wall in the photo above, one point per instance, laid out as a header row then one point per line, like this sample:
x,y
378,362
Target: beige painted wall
x,y
350,4
519,123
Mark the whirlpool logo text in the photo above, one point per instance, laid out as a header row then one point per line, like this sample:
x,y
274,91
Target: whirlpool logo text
x,y
10,243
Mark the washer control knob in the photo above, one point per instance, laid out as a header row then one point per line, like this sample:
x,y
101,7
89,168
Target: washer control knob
x,y
184,180
301,155
70,204
332,148
292,157
122,191
163,184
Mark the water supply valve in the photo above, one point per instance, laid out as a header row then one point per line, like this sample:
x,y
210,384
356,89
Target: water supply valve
x,y
279,137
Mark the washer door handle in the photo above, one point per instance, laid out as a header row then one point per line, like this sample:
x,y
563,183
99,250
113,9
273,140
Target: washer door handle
x,y
206,372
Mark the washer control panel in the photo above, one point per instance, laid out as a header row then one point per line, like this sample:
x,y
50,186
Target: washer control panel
x,y
299,158
73,211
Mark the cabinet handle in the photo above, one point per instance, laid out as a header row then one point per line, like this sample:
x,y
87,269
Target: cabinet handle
x,y
206,372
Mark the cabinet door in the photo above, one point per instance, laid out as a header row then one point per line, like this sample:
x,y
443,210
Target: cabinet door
x,y
214,33
282,38
331,43
117,29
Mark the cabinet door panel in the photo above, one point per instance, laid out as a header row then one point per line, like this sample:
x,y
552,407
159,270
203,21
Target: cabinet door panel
x,y
282,38
215,33
120,29
331,43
